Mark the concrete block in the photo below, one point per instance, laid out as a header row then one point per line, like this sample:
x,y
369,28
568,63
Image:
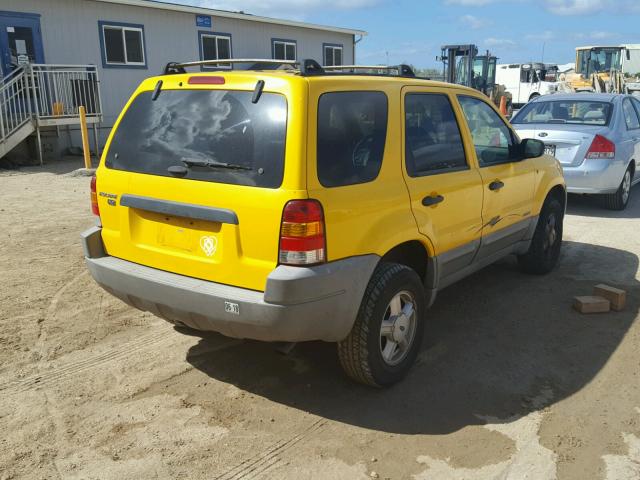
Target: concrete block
x,y
616,296
591,304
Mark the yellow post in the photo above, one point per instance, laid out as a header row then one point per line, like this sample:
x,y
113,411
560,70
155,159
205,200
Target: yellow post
x,y
85,137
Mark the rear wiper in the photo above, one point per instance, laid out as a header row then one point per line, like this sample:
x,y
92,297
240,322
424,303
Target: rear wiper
x,y
195,162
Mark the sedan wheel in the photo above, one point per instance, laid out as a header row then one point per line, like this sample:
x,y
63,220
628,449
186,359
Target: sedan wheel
x,y
620,199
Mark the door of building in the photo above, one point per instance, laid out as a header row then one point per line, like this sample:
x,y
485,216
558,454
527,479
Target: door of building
x,y
20,40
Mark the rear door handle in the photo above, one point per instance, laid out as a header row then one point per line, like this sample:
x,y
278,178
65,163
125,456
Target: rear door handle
x,y
496,185
432,200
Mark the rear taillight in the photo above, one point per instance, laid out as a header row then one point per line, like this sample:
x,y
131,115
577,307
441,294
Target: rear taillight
x,y
94,197
601,147
302,236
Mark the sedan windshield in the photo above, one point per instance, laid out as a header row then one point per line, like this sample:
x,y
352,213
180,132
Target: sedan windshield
x,y
580,112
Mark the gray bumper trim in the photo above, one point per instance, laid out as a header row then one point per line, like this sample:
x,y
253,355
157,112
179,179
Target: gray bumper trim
x,y
299,304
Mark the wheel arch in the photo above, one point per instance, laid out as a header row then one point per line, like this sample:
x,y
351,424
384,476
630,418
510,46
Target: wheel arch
x,y
558,192
413,254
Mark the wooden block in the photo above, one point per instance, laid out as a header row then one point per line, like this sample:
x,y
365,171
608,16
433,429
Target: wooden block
x,y
591,304
616,296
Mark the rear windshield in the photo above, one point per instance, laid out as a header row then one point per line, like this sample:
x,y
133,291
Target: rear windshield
x,y
189,128
581,112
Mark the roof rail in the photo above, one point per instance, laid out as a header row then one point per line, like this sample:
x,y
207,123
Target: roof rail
x,y
402,69
306,66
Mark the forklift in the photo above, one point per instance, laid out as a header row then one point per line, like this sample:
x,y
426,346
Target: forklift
x,y
463,66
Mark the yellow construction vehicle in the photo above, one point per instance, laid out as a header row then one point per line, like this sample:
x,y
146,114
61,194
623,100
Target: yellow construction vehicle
x,y
613,69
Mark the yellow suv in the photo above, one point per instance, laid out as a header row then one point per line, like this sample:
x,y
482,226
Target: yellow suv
x,y
309,204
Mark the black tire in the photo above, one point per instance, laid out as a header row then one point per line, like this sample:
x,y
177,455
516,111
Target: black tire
x,y
361,353
544,250
620,199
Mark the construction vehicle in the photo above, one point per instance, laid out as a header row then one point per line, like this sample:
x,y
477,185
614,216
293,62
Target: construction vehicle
x,y
463,66
612,69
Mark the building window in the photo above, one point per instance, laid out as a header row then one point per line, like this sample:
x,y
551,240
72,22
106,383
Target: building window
x,y
122,45
215,46
332,55
284,49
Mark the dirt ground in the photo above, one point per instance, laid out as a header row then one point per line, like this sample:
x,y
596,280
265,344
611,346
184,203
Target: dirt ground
x,y
511,382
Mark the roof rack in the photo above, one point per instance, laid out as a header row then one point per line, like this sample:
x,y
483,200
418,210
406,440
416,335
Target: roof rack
x,y
402,69
306,67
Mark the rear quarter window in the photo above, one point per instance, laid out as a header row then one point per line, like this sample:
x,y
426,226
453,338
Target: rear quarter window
x,y
352,129
220,126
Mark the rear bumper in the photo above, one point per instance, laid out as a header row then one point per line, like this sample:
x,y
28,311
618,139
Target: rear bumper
x,y
299,303
595,176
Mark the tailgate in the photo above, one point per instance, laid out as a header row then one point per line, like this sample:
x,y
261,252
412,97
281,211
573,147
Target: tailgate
x,y
194,183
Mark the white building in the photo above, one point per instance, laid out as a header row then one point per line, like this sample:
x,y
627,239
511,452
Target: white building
x,y
128,40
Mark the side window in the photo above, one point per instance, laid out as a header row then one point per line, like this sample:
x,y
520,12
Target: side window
x,y
491,136
352,128
630,115
433,143
636,103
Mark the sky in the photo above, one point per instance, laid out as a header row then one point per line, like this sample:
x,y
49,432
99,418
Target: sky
x,y
516,31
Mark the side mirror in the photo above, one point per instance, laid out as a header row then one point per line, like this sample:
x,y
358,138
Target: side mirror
x,y
532,148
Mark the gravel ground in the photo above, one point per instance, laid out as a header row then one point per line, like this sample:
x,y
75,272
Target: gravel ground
x,y
511,382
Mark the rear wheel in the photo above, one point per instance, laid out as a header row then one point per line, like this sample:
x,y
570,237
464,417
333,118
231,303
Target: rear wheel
x,y
620,199
544,250
387,334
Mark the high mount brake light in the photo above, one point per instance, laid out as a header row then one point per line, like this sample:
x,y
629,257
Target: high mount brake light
x,y
601,147
302,233
206,80
94,197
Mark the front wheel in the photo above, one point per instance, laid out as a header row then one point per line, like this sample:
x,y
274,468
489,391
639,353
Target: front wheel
x,y
387,334
544,250
620,199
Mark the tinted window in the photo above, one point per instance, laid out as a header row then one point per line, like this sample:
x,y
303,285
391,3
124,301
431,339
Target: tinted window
x,y
204,125
630,115
578,112
432,137
133,40
114,45
352,127
491,136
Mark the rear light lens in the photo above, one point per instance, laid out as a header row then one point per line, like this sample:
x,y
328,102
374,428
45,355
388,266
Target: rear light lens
x,y
601,147
302,235
94,197
206,80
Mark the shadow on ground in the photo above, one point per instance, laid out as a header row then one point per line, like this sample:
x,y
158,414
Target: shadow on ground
x,y
591,206
64,166
494,343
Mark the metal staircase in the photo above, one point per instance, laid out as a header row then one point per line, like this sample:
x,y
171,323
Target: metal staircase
x,y
35,96
16,120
